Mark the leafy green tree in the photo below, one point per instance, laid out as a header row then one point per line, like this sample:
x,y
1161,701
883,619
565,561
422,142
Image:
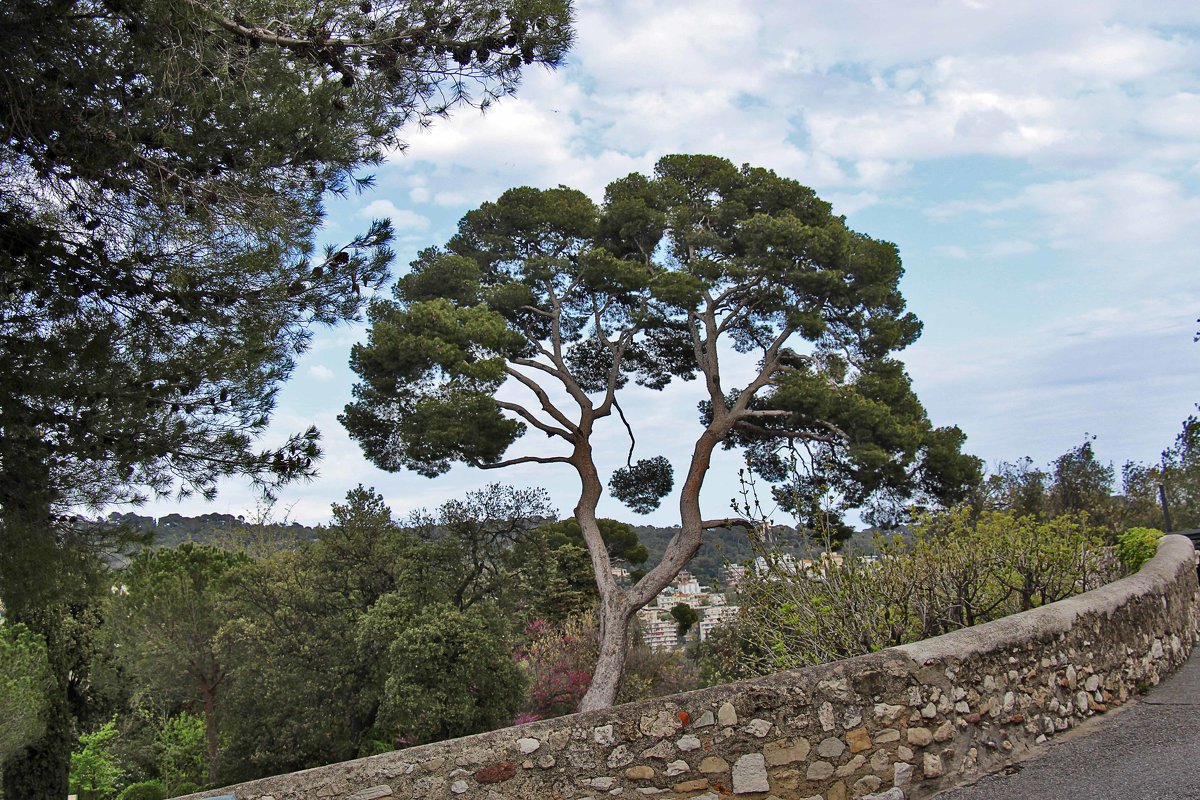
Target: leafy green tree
x,y
685,617
316,626
183,752
479,533
25,683
620,539
1074,483
95,771
1173,481
1017,487
299,694
170,617
545,291
162,170
1081,484
552,578
448,672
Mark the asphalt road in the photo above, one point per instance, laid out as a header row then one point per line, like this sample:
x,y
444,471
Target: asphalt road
x,y
1148,751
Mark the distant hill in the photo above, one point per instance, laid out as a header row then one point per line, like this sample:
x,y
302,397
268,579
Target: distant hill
x,y
732,546
721,546
175,529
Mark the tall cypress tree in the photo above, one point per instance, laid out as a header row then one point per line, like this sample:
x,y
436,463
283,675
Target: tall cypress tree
x,y
162,169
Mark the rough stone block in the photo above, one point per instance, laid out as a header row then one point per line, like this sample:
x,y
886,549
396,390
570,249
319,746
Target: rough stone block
x,y
859,740
866,785
887,736
819,771
497,773
750,774
920,737
786,751
691,786
831,747
619,757
852,766
664,723
758,728
639,773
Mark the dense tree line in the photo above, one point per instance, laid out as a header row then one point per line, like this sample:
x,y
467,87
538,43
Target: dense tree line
x,y
214,663
1163,495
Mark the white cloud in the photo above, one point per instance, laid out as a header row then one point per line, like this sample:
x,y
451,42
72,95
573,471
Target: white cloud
x,y
320,372
402,219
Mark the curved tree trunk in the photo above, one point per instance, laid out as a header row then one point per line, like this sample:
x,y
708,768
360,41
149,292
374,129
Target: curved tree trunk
x,y
617,607
610,666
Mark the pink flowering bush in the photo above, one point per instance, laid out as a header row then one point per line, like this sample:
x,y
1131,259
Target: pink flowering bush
x,y
558,661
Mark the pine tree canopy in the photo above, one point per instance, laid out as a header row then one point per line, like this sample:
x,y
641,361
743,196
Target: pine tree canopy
x,y
162,170
162,167
674,276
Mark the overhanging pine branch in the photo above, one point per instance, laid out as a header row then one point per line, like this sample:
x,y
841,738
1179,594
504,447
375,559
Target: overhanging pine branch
x,y
512,462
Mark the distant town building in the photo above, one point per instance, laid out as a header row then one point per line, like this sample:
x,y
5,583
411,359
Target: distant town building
x,y
732,575
713,617
661,631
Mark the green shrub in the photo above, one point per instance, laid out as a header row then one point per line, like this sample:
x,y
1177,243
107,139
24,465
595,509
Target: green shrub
x,y
143,790
1136,546
957,570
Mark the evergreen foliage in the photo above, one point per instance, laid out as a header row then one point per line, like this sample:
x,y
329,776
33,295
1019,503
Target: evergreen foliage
x,y
162,170
25,685
143,790
173,608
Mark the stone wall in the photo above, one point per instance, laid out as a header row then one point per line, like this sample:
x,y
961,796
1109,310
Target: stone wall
x,y
899,724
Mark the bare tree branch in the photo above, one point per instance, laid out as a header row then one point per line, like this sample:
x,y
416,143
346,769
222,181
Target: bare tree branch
x,y
528,416
728,522
543,398
510,462
777,433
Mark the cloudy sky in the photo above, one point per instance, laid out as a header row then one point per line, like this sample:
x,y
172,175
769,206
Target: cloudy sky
x,y
1038,165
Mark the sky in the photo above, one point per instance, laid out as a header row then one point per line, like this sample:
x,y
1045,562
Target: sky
x,y
1037,164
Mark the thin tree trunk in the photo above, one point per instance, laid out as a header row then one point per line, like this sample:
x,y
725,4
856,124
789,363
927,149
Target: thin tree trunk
x,y
210,730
